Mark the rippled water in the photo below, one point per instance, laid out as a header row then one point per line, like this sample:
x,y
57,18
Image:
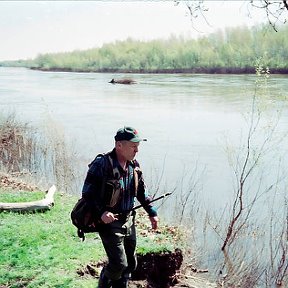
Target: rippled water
x,y
187,118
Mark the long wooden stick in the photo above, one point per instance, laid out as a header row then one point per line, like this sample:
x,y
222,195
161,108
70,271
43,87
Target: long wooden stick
x,y
43,204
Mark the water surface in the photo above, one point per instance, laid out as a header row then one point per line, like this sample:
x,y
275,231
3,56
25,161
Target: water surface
x,y
187,118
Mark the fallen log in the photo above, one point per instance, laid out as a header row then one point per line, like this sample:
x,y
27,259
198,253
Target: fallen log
x,y
43,204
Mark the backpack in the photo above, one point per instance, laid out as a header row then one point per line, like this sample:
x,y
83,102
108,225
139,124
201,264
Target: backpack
x,y
83,218
82,214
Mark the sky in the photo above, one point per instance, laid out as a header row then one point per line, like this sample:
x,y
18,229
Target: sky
x,y
30,28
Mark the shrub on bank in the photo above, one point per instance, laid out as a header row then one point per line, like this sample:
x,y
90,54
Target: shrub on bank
x,y
233,50
40,157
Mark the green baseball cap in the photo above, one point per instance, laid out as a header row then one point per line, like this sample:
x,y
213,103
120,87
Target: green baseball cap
x,y
128,134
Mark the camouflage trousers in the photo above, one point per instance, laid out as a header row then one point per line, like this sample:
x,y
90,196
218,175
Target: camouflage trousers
x,y
119,241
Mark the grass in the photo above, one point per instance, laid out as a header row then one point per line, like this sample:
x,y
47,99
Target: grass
x,y
43,249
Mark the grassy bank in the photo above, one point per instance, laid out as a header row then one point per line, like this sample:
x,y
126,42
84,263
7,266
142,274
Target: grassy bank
x,y
43,249
198,70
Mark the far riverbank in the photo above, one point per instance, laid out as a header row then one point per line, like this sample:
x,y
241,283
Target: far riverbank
x,y
197,70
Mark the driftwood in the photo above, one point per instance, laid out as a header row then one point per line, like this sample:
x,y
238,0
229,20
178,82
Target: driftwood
x,y
43,204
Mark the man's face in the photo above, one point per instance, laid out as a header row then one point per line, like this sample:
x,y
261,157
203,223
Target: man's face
x,y
128,149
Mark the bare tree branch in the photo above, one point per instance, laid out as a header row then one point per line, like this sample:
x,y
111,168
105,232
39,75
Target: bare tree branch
x,y
276,11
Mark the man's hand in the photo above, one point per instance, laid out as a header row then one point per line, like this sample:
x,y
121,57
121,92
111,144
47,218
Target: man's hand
x,y
108,217
154,222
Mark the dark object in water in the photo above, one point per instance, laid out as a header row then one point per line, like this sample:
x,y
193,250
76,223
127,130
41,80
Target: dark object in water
x,y
122,81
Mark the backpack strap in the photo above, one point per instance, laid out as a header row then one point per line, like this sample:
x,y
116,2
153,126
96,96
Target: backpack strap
x,y
116,172
137,175
104,178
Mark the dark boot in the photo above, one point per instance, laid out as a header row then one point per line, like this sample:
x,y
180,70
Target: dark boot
x,y
121,283
104,281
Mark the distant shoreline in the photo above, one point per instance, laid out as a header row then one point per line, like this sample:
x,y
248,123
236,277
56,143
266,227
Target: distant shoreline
x,y
222,70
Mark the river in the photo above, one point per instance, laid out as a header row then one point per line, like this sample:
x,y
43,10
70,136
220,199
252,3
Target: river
x,y
187,118
193,122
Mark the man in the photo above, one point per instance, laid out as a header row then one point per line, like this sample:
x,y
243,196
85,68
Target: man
x,y
112,183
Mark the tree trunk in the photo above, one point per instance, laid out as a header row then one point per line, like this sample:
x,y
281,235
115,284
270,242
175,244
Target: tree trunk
x,y
43,205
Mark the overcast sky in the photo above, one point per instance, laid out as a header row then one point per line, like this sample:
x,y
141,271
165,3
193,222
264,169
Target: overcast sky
x,y
28,28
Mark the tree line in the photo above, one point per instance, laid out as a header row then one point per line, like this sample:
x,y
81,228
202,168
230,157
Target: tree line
x,y
232,50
